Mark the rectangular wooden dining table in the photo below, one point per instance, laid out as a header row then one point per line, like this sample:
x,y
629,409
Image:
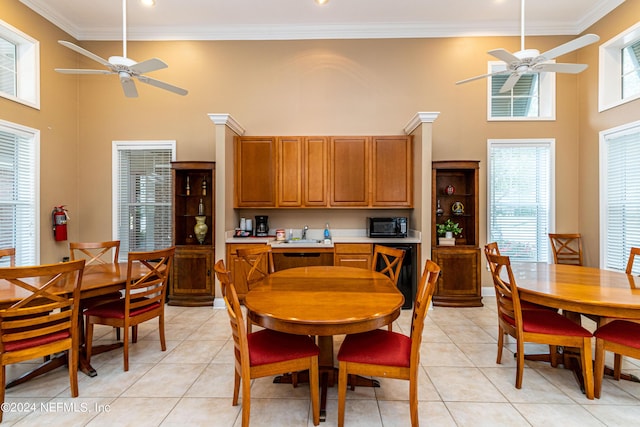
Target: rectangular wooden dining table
x,y
97,280
324,301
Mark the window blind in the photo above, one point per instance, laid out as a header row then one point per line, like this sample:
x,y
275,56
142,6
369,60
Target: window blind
x,y
622,197
19,225
143,198
631,70
519,185
8,72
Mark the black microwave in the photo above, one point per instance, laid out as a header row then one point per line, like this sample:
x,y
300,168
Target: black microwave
x,y
388,227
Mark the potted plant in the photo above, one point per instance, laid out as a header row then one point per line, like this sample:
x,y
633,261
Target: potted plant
x,y
447,230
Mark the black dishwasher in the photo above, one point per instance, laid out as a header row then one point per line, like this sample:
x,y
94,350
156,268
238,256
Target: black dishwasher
x,y
407,279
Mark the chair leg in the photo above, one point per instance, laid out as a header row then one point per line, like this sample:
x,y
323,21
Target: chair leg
x,y
2,390
617,366
88,341
134,334
342,391
125,352
413,400
553,355
315,390
246,402
587,367
73,370
519,363
598,371
500,345
163,342
236,388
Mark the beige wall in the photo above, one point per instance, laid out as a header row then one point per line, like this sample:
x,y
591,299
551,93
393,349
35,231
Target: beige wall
x,y
328,87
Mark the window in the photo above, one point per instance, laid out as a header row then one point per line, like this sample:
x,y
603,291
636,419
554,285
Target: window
x,y
19,181
619,195
142,195
619,73
532,97
19,66
521,197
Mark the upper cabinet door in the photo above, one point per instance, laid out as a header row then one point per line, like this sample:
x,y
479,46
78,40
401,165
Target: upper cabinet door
x,y
316,175
255,172
349,171
392,171
290,155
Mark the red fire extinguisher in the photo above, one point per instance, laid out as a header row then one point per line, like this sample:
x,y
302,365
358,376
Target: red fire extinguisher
x,y
60,217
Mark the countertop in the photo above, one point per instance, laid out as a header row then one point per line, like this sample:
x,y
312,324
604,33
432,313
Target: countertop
x,y
337,236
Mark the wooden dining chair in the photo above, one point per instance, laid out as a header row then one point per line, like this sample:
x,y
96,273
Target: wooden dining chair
x,y
621,337
265,352
144,299
258,264
44,321
567,248
388,261
538,326
386,353
632,255
9,253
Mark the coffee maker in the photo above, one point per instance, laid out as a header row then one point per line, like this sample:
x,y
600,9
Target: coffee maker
x,y
262,226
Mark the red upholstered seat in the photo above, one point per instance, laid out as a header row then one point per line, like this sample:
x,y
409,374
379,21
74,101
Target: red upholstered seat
x,y
115,310
267,346
377,347
547,322
622,332
37,341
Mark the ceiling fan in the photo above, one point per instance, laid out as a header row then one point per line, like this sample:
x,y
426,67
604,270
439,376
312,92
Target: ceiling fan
x,y
528,61
126,69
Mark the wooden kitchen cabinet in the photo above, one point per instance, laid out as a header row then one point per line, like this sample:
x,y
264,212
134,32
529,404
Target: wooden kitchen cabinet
x,y
302,171
255,172
358,255
459,282
192,281
316,172
240,268
349,171
392,171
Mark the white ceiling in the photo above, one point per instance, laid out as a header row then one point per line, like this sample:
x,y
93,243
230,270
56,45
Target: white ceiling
x,y
303,19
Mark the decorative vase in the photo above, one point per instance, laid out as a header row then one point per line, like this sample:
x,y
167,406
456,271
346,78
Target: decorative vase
x,y
439,210
200,229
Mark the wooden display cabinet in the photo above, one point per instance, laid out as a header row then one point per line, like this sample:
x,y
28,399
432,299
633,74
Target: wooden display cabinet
x,y
454,182
192,282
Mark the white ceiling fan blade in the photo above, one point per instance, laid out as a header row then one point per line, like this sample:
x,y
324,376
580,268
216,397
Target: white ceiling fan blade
x,y
561,68
86,53
574,44
504,55
82,71
482,76
128,86
147,66
510,83
162,85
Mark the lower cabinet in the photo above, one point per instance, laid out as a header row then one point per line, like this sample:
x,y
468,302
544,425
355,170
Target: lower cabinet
x,y
459,281
240,268
358,255
192,277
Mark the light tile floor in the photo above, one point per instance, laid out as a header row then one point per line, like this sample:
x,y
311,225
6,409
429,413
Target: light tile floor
x,y
192,383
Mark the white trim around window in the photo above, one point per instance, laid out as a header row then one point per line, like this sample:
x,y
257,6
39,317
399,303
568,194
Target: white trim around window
x,y
26,87
610,69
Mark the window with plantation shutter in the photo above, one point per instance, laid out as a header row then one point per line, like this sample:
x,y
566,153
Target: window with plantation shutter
x,y
532,97
19,66
19,195
142,195
520,197
619,195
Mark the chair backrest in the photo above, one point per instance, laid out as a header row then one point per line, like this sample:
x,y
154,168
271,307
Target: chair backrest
x,y
390,260
45,320
491,249
567,248
425,291
507,297
149,289
223,275
632,254
259,262
95,252
11,253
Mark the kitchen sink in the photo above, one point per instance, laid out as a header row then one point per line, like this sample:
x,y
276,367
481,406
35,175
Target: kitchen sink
x,y
305,241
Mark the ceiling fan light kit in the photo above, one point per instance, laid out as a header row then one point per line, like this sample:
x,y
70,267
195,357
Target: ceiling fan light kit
x,y
127,69
529,61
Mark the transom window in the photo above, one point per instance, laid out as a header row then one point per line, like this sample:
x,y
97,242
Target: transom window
x,y
619,69
19,66
631,70
532,97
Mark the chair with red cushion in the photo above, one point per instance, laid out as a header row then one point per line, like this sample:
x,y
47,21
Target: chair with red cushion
x,y
11,254
266,352
538,326
388,261
143,300
386,353
44,321
619,336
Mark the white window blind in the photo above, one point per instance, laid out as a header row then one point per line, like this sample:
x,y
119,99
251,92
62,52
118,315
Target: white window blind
x,y
520,187
19,66
631,70
19,181
620,194
142,195
8,71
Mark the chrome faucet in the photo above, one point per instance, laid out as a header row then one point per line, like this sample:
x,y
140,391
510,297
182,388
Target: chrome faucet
x,y
304,232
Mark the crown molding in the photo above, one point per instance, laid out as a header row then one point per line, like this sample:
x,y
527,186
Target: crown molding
x,y
420,118
227,120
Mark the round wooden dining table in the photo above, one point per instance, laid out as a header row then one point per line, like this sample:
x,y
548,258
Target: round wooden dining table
x,y
325,301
